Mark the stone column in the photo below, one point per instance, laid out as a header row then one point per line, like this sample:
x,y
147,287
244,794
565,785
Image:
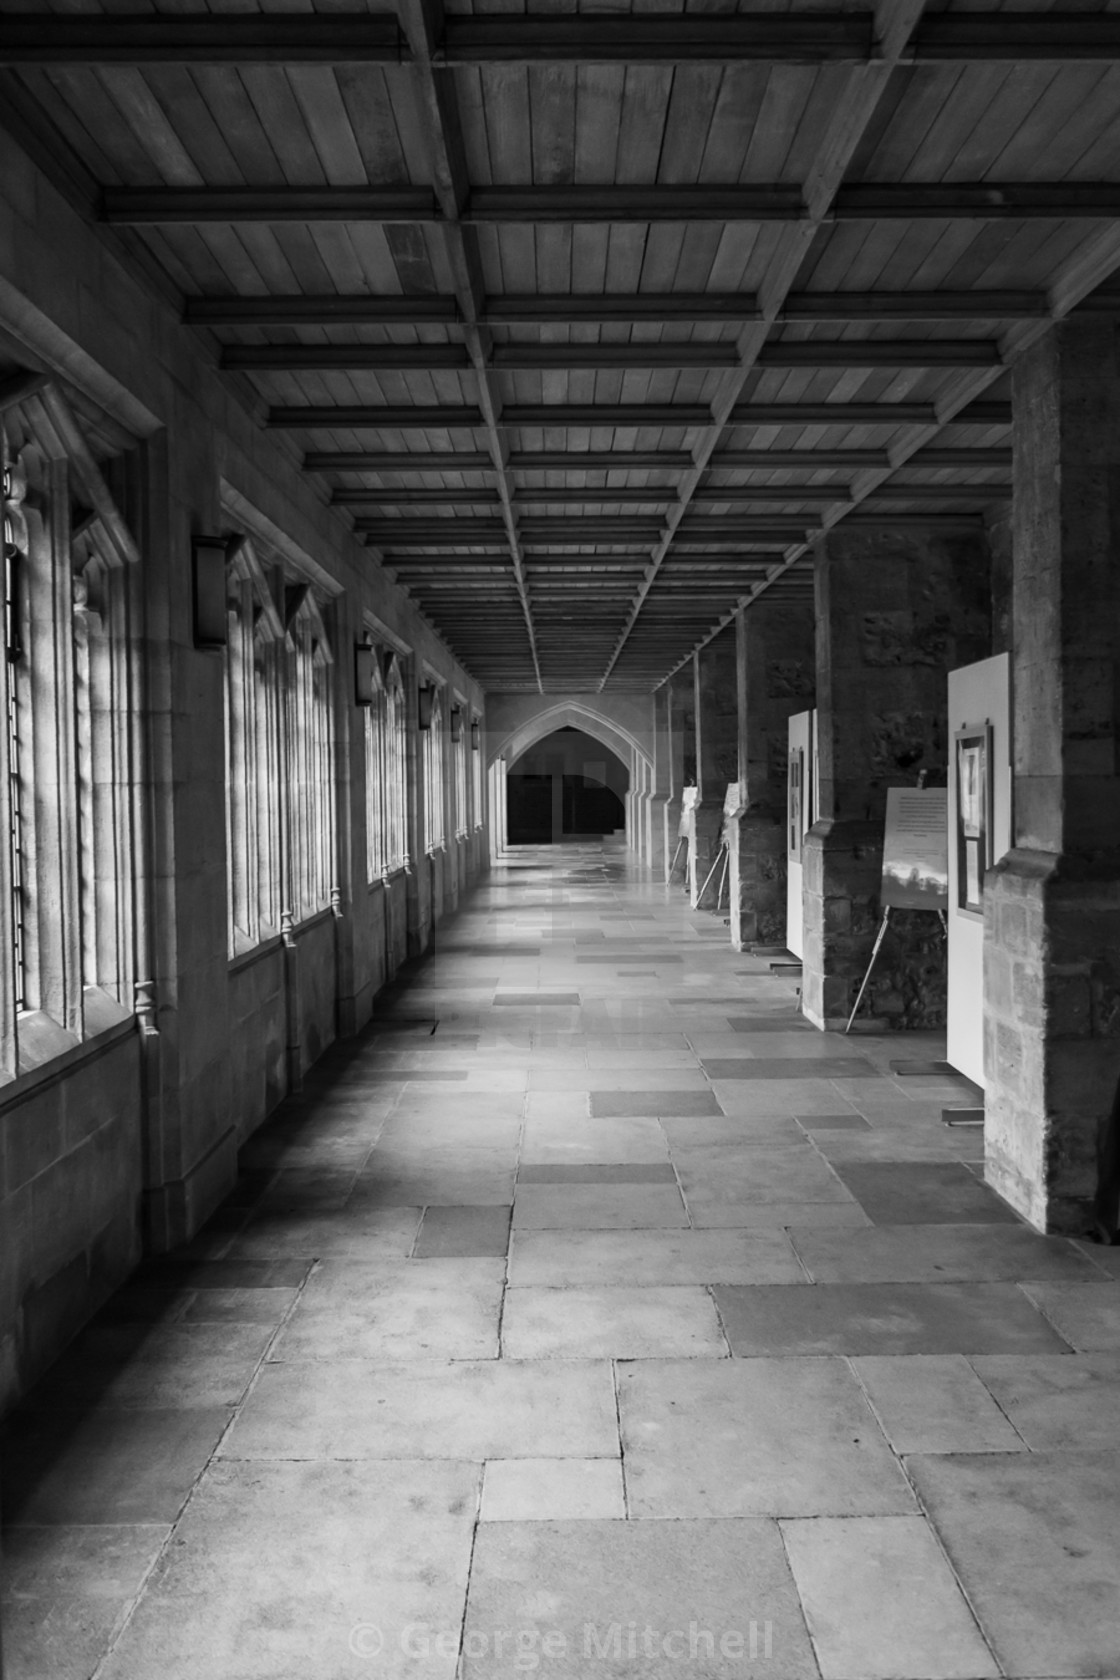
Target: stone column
x,y
660,851
897,610
1052,906
776,674
670,744
717,752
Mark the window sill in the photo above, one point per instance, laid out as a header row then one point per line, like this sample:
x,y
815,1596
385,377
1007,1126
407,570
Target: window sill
x,y
397,873
245,959
15,1089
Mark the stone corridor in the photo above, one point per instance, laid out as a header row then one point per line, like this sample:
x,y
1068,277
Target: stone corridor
x,y
764,1381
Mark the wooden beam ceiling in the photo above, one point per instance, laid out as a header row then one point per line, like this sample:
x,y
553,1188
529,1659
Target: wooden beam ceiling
x,y
376,38
414,190
773,202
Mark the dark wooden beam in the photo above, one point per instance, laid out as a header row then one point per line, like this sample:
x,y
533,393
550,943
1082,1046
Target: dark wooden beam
x,y
1015,37
606,414
294,358
374,499
797,38
513,308
984,200
428,416
434,417
356,38
914,306
811,460
830,414
979,200
762,203
961,458
310,311
510,357
600,460
361,309
610,357
396,461
882,352
911,492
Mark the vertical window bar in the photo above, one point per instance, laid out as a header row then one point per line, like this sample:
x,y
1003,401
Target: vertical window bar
x,y
13,646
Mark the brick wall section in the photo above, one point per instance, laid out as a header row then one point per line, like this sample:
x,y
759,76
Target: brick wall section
x,y
777,678
896,612
1052,908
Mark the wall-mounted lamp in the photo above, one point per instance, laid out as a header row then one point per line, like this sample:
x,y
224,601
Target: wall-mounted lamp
x,y
208,588
426,695
456,723
476,736
365,673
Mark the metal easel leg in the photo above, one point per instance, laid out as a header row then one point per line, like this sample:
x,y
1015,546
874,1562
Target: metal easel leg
x,y
879,937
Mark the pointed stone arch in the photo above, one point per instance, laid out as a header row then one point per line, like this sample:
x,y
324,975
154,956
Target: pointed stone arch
x,y
572,714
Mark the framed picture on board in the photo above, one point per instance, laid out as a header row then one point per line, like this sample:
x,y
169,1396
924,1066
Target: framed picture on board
x,y
974,814
796,797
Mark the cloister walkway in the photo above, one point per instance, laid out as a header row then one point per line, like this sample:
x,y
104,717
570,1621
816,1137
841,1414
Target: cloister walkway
x,y
760,1379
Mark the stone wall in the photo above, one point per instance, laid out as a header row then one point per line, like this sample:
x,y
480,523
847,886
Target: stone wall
x,y
777,678
137,1131
1052,906
896,612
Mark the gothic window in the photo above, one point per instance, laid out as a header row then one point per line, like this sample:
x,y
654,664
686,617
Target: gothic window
x,y
433,763
69,864
254,669
280,772
459,746
386,771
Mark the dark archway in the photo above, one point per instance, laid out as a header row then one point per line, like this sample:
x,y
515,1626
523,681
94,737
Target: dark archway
x,y
566,786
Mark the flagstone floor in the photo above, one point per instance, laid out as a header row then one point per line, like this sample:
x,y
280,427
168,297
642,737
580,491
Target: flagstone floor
x,y
589,1316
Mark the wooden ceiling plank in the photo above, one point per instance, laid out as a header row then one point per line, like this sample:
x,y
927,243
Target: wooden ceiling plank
x,y
867,86
423,22
1094,264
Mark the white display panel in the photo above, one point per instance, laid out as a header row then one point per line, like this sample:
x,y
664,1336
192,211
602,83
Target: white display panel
x,y
980,738
801,811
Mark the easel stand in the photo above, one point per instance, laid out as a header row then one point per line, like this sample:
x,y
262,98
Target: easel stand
x,y
722,857
681,844
875,949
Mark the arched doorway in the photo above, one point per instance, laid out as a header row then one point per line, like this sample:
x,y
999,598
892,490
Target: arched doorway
x,y
567,785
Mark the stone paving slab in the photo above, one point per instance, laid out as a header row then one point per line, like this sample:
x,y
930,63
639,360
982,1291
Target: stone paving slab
x,y
1035,1541
828,1318
881,1602
781,1437
697,1587
462,1409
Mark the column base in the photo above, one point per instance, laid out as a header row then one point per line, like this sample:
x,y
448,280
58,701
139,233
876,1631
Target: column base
x,y
1051,1034
758,879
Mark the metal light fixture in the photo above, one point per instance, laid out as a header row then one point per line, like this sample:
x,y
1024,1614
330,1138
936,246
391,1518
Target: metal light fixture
x,y
426,696
365,673
456,723
208,588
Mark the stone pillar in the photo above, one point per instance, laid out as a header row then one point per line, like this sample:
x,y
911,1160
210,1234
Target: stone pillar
x,y
1052,906
896,611
717,753
660,851
776,674
670,744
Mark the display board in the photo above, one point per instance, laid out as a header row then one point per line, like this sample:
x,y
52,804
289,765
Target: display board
x,y
690,798
916,850
801,806
980,834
